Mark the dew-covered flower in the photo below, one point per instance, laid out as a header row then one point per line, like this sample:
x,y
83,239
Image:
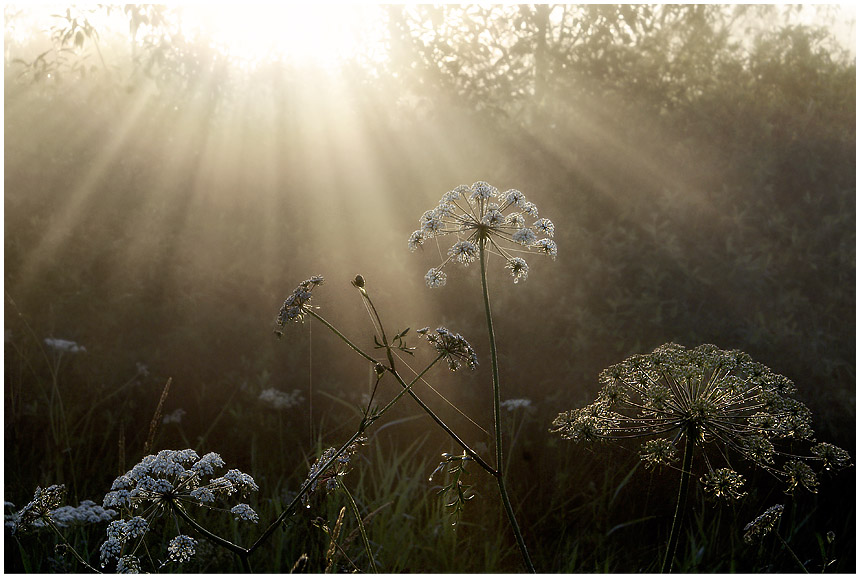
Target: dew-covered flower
x,y
723,483
181,548
700,397
757,529
244,513
280,400
39,511
295,307
482,218
452,347
162,483
325,471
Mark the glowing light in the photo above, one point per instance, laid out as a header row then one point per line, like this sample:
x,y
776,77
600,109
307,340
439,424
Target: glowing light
x,y
307,34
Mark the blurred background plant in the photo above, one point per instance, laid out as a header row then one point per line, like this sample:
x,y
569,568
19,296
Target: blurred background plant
x,y
166,180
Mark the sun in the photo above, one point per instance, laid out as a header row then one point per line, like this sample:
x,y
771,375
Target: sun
x,y
306,34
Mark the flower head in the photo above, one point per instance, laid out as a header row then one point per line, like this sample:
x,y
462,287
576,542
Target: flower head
x,y
452,347
706,396
327,469
757,529
159,484
296,305
481,217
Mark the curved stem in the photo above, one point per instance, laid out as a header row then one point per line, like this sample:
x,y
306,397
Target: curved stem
x,y
355,508
241,552
667,566
791,552
497,423
408,389
342,336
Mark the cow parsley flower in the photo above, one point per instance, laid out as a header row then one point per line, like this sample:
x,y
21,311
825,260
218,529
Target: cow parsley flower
x,y
325,474
295,307
757,529
39,511
709,397
160,484
280,400
452,347
481,217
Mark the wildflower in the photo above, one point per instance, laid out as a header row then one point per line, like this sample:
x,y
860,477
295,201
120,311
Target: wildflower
x,y
174,417
181,548
244,513
61,345
39,511
328,475
279,400
128,564
709,396
295,306
452,347
757,529
658,451
832,456
160,483
481,217
723,483
513,404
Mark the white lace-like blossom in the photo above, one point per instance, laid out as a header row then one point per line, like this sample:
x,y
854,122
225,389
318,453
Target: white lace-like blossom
x,y
296,305
700,398
159,484
244,513
181,548
481,217
279,400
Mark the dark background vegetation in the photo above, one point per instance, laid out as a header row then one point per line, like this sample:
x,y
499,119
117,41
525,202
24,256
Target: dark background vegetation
x,y
161,202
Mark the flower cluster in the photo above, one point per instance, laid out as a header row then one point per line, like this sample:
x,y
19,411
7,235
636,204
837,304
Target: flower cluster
x,y
757,529
295,306
705,395
280,400
452,347
163,482
39,511
322,472
481,217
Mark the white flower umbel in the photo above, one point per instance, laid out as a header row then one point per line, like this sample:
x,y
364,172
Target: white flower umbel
x,y
169,483
479,216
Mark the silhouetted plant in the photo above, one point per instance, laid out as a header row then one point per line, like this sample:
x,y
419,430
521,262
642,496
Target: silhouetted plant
x,y
705,398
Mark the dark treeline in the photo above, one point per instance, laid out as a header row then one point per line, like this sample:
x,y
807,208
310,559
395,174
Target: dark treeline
x,y
161,201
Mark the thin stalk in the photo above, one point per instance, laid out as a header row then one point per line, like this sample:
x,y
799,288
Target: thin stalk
x,y
342,336
497,423
481,462
241,552
791,552
681,502
362,532
287,511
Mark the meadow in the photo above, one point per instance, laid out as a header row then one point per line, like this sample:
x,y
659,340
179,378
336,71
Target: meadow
x,y
681,179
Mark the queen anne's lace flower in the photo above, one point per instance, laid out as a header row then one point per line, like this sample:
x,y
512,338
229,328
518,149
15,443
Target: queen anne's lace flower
x,y
161,483
295,307
483,218
709,396
757,529
452,347
326,471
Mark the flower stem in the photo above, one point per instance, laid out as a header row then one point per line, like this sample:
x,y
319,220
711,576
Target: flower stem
x,y
241,552
791,552
497,422
681,502
362,531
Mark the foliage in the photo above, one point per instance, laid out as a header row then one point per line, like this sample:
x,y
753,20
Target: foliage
x,y
160,200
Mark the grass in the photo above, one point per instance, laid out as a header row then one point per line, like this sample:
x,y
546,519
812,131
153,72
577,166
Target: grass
x,y
581,511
